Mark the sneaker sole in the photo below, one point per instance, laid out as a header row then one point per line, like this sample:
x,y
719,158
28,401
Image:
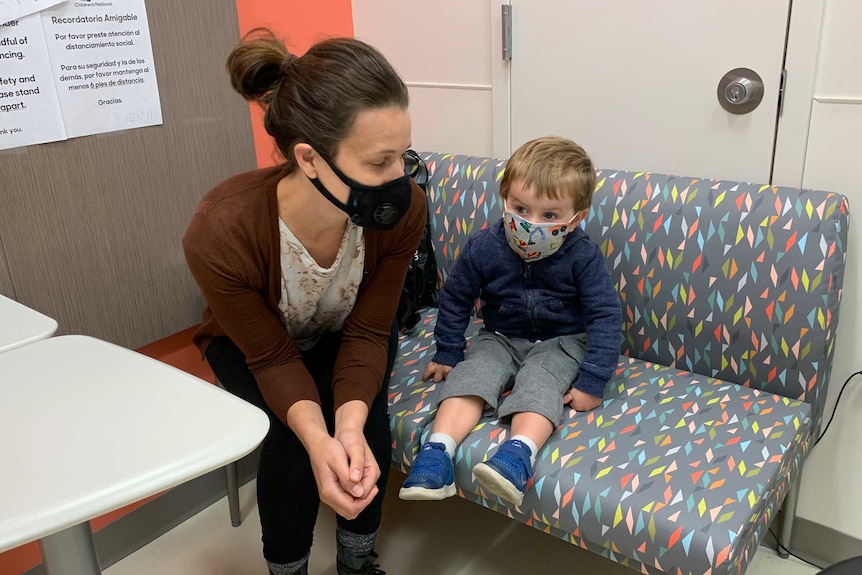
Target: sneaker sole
x,y
497,484
426,494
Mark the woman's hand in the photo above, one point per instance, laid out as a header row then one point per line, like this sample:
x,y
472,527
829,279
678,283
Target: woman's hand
x,y
437,371
580,401
329,462
364,471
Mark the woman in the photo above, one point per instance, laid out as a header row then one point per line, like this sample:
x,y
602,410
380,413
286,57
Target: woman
x,y
301,266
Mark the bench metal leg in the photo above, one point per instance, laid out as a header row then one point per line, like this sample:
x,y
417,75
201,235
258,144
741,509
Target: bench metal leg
x,y
70,552
789,516
233,493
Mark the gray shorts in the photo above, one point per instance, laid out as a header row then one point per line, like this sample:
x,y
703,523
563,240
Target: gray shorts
x,y
539,373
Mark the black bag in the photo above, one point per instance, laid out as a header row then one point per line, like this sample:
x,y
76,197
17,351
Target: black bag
x,y
420,285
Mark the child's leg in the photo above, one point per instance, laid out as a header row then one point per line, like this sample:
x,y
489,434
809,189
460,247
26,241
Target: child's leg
x,y
456,418
488,369
478,380
533,429
536,407
536,402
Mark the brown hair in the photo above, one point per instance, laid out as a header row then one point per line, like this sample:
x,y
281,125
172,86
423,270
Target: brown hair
x,y
313,98
555,167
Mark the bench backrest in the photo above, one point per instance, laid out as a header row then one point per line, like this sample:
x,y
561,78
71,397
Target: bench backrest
x,y
731,280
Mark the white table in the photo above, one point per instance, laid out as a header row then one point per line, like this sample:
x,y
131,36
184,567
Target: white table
x,y
20,325
87,427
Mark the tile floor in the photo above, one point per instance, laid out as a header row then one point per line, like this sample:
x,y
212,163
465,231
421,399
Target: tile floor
x,y
452,537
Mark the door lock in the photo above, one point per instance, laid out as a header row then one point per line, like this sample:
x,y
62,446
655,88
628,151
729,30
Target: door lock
x,y
740,91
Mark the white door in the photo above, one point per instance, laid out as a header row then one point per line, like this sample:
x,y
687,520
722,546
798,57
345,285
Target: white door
x,y
636,82
443,53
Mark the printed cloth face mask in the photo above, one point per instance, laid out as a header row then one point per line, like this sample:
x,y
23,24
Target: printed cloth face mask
x,y
534,241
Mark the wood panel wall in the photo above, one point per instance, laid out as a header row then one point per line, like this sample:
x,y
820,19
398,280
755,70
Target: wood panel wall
x,y
91,227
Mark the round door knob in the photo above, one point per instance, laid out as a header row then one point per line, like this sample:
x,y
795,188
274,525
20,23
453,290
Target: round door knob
x,y
740,91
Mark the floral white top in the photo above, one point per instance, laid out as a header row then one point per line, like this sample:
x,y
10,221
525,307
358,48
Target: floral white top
x,y
314,299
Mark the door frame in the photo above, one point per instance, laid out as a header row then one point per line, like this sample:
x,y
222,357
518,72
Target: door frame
x,y
501,85
800,60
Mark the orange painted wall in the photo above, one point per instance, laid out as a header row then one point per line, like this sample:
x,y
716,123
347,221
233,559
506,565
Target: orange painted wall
x,y
300,23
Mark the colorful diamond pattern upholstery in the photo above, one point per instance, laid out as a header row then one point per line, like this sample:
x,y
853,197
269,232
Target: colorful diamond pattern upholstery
x,y
730,301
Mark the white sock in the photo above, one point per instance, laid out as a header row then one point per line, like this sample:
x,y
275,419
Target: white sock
x,y
529,443
446,440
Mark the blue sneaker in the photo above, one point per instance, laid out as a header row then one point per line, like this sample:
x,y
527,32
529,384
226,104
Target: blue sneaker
x,y
432,476
507,473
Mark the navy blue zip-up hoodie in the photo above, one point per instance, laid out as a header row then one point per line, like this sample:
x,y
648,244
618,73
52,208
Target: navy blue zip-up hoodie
x,y
569,292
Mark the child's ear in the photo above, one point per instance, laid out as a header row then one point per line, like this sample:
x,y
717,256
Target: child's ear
x,y
579,217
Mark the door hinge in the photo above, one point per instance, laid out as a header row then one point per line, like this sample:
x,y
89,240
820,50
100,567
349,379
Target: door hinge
x,y
507,32
781,88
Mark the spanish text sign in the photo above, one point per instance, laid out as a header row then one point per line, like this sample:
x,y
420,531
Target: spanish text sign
x,y
102,59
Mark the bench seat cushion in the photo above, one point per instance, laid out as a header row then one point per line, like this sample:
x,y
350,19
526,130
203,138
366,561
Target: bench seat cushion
x,y
673,470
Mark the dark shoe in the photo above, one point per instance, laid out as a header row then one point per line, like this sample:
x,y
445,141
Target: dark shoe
x,y
348,564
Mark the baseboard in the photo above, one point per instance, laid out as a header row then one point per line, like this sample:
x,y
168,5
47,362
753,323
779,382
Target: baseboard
x,y
143,525
818,544
822,545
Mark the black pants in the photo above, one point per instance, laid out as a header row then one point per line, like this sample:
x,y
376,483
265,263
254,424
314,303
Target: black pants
x,y
287,495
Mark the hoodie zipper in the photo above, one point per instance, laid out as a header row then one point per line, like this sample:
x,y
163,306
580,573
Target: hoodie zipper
x,y
528,284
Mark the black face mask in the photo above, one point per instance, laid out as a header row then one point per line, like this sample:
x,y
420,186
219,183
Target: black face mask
x,y
373,207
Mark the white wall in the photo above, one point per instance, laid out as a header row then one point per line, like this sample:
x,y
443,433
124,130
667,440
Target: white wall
x,y
443,53
831,493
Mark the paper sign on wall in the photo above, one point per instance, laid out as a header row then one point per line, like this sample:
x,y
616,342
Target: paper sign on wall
x,y
29,109
94,73
103,66
15,9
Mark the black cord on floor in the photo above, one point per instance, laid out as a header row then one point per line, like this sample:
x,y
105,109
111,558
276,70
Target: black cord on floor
x,y
834,409
822,435
786,550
